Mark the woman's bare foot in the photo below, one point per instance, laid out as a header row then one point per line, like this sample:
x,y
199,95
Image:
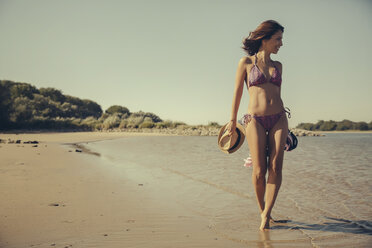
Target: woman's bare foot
x,y
271,219
265,220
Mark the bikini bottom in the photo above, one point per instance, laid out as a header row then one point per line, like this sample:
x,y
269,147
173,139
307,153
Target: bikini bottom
x,y
266,121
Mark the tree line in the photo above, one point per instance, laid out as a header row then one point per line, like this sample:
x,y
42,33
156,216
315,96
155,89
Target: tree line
x,y
336,125
23,106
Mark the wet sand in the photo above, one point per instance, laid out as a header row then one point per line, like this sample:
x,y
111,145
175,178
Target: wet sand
x,y
347,131
53,196
62,192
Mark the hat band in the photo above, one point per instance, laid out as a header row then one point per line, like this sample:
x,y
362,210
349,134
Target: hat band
x,y
237,141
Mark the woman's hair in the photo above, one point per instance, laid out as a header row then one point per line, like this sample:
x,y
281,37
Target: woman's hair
x,y
264,31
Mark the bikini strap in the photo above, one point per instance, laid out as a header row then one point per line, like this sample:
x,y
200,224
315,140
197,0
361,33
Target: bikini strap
x,y
288,111
255,61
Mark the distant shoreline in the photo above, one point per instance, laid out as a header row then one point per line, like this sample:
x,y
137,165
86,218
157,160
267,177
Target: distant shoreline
x,y
201,131
346,131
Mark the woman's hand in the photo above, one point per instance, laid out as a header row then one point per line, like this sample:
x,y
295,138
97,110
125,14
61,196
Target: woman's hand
x,y
231,127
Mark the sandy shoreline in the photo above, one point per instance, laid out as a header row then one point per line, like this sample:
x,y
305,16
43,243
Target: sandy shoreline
x,y
55,197
349,131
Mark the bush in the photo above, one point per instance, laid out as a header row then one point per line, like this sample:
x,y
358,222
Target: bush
x,y
328,126
154,118
90,121
123,124
117,109
5,103
361,126
160,125
111,122
53,94
177,123
306,126
134,121
182,127
20,111
76,121
214,124
22,90
147,125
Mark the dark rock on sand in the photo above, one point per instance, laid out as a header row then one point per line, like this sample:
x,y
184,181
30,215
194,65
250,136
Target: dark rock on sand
x,y
31,142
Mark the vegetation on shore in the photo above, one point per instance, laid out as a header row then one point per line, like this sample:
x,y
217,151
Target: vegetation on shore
x,y
23,106
336,126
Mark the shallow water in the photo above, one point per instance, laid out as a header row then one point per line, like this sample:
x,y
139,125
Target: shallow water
x,y
325,199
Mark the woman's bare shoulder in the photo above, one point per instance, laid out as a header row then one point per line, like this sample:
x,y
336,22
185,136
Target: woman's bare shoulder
x,y
245,60
279,66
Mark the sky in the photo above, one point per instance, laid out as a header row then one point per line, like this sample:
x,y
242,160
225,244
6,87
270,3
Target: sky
x,y
178,59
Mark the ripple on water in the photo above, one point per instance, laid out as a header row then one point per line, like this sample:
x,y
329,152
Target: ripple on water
x,y
326,187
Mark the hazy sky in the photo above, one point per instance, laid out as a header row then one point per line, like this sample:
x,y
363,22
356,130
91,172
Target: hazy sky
x,y
178,59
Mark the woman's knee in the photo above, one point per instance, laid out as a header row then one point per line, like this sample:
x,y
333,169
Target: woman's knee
x,y
259,173
275,166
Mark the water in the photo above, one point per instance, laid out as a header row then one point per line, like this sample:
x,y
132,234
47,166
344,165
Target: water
x,y
325,199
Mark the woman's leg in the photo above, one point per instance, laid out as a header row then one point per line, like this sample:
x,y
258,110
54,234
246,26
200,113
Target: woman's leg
x,y
257,140
277,137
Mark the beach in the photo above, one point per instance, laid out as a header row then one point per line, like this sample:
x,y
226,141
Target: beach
x,y
97,189
52,197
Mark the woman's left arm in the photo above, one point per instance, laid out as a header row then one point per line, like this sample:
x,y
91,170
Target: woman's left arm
x,y
280,68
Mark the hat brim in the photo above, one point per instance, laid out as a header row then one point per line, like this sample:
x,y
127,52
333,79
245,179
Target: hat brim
x,y
240,134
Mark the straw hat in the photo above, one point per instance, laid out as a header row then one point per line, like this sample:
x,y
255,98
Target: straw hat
x,y
229,144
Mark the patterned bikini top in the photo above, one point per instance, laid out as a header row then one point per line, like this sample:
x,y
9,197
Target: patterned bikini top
x,y
256,77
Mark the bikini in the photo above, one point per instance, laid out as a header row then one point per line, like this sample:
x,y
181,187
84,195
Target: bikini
x,y
256,77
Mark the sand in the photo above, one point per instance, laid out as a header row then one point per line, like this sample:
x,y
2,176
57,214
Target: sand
x,y
53,196
347,131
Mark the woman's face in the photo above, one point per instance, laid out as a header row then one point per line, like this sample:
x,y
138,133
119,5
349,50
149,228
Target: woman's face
x,y
273,44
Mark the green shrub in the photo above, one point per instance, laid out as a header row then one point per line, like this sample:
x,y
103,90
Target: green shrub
x,y
214,124
22,90
182,127
53,94
112,121
123,124
117,109
134,121
147,125
90,121
160,125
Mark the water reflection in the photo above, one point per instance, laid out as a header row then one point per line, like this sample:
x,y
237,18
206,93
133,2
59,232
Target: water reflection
x,y
340,225
265,241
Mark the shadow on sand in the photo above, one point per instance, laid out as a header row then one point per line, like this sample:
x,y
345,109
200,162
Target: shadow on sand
x,y
339,225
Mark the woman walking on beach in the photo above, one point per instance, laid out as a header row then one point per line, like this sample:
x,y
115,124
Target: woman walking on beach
x,y
266,124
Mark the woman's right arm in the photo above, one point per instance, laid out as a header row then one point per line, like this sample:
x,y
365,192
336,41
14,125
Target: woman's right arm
x,y
238,91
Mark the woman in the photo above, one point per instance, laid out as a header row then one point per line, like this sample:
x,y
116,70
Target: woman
x,y
266,124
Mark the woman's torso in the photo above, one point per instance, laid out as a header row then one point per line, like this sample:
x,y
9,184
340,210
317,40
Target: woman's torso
x,y
264,98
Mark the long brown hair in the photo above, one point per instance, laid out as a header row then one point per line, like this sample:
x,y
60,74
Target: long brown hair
x,y
264,31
